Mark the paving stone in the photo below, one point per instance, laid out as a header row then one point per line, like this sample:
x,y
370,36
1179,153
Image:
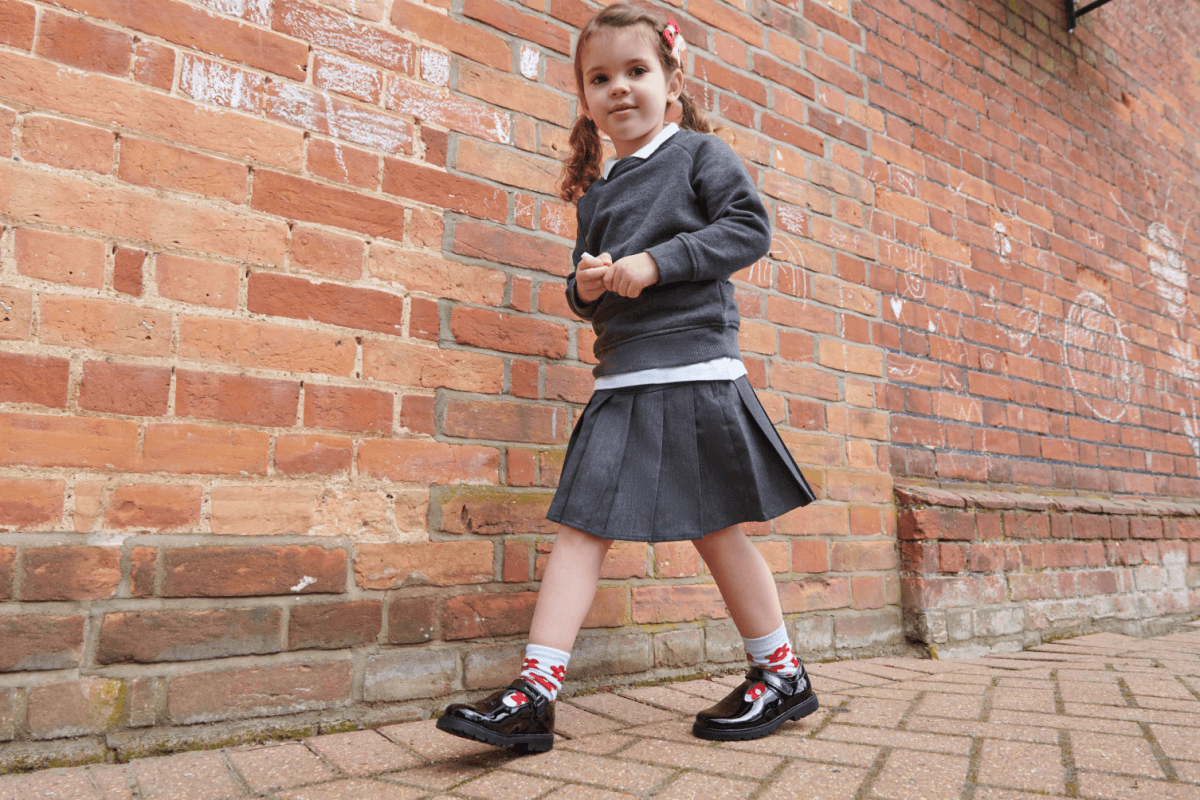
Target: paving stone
x,y
705,758
875,669
1152,686
1169,704
1178,742
620,708
702,688
893,692
1115,787
362,752
452,772
676,730
188,776
800,779
505,785
600,744
989,793
1091,692
671,700
353,789
272,767
1040,700
691,786
575,722
876,713
987,730
1101,752
913,775
430,743
948,687
1021,765
565,765
839,672
60,784
112,781
955,706
954,745
857,755
1068,722
576,792
1088,715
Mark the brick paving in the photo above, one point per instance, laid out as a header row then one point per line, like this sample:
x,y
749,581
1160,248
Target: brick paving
x,y
1103,716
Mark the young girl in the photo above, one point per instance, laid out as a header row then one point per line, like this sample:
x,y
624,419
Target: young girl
x,y
673,443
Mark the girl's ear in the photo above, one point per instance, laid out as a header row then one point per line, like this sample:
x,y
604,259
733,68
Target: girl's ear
x,y
674,86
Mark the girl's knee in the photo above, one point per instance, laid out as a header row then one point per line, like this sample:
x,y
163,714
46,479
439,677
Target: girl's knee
x,y
573,537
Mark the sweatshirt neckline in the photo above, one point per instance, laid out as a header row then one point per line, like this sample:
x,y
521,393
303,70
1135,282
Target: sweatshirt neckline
x,y
645,152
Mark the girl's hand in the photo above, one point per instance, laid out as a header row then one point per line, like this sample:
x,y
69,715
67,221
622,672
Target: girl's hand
x,y
590,275
629,276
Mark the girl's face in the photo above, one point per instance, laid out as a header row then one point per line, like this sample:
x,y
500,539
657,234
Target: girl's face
x,y
625,89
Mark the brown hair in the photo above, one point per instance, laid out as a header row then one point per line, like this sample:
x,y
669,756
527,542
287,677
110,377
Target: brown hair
x,y
582,167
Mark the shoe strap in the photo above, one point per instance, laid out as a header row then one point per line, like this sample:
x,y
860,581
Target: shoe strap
x,y
526,688
776,681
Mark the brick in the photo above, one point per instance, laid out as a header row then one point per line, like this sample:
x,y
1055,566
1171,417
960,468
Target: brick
x,y
70,573
364,309
81,43
428,462
168,167
8,561
327,253
127,270
867,592
77,708
497,244
475,616
407,364
436,187
346,408
197,29
40,642
35,380
348,77
408,675
256,691
45,441
142,571
253,571
513,422
146,637
264,346
312,454
411,620
262,510
182,448
487,512
17,23
344,164
322,26
68,145
862,556
320,113
509,91
936,523
429,104
308,201
815,595
156,507
508,333
132,389
658,604
104,325
333,626
390,566
60,258
423,272
116,102
810,556
154,64
466,40
236,398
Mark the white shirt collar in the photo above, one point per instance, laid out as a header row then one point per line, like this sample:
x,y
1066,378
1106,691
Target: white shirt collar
x,y
645,152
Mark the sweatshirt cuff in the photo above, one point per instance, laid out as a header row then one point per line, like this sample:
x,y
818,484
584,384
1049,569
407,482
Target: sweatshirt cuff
x,y
581,309
673,260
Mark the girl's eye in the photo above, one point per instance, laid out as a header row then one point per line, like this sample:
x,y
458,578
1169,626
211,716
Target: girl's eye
x,y
639,70
599,79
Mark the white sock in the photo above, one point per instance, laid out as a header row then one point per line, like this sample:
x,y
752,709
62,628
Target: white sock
x,y
545,668
773,652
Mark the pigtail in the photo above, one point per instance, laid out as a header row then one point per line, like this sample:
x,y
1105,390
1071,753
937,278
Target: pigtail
x,y
582,167
694,118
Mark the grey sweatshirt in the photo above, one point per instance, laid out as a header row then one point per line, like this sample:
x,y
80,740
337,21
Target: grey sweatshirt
x,y
692,206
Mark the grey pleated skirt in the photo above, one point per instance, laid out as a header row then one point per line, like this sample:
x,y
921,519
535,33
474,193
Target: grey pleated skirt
x,y
672,461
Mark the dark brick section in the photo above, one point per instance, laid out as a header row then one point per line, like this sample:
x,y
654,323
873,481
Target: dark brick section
x,y
37,642
332,626
178,635
70,573
411,620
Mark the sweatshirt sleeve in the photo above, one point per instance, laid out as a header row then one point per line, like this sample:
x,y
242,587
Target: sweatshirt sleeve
x,y
739,229
583,310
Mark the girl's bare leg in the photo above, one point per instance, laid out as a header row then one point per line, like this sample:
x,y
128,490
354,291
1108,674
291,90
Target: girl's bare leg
x,y
744,580
568,588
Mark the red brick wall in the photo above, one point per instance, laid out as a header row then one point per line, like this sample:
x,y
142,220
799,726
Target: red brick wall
x,y
286,372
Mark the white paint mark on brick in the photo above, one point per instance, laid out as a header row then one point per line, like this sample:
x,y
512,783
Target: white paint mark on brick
x,y
256,11
321,113
341,74
304,582
334,30
529,62
213,82
448,111
435,67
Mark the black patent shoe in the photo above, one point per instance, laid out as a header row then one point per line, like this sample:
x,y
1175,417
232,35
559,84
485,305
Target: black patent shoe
x,y
519,717
763,702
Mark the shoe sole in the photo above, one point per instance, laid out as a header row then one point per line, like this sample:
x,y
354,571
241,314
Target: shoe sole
x,y
757,732
523,745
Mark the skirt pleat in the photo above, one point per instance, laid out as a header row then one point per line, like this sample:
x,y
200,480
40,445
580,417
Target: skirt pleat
x,y
668,462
